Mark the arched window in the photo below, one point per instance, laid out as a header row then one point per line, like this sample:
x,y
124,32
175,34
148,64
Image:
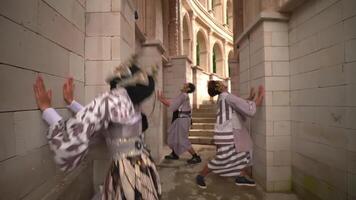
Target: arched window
x,y
214,61
187,42
216,6
229,14
218,60
198,53
201,51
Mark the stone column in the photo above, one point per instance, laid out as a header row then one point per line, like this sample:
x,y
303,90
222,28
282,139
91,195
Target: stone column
x,y
110,39
264,59
173,27
234,76
152,52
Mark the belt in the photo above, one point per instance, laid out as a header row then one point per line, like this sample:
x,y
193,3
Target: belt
x,y
184,114
126,147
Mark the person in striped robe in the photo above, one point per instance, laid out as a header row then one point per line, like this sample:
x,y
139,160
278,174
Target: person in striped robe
x,y
115,114
233,142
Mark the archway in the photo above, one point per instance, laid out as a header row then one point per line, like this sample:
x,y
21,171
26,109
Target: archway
x,y
187,40
201,51
218,60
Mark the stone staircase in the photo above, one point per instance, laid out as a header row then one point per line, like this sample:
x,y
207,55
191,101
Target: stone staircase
x,y
204,118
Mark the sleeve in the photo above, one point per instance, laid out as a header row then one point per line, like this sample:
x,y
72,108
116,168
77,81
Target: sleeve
x,y
177,102
242,106
69,139
75,106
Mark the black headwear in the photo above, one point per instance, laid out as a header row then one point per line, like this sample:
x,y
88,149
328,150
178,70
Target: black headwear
x,y
191,88
137,92
213,88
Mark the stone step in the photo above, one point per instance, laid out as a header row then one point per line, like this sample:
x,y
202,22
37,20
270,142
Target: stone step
x,y
210,110
201,140
203,126
201,132
203,115
207,106
208,102
203,120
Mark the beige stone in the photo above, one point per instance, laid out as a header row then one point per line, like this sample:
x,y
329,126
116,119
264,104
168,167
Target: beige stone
x,y
279,38
16,89
21,47
280,68
103,24
282,158
92,91
30,131
350,49
276,53
36,167
278,143
120,49
7,136
97,71
349,7
277,83
98,48
304,81
71,10
59,30
76,67
331,35
280,98
278,173
98,5
22,12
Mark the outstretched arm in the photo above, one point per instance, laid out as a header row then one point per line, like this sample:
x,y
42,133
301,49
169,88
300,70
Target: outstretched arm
x,y
69,139
163,99
246,107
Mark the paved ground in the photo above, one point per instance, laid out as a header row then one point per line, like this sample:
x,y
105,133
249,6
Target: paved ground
x,y
178,182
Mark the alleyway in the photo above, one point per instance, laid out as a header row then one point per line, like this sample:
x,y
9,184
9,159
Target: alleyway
x,y
178,182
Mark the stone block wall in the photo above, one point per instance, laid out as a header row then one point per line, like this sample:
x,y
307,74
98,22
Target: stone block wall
x,y
322,82
43,37
110,40
264,59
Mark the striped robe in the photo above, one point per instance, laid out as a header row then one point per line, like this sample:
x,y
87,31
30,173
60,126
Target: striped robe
x,y
230,134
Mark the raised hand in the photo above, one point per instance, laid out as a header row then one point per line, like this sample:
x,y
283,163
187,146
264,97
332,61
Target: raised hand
x,y
43,97
260,95
252,94
159,95
68,91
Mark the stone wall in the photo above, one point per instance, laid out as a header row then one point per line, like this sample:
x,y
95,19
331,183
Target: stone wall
x,y
110,40
264,59
37,37
322,70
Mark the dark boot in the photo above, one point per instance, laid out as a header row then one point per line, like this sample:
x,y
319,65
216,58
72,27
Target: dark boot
x,y
172,156
194,160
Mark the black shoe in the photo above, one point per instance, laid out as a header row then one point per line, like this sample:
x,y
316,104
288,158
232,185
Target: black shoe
x,y
171,156
194,160
200,181
243,181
